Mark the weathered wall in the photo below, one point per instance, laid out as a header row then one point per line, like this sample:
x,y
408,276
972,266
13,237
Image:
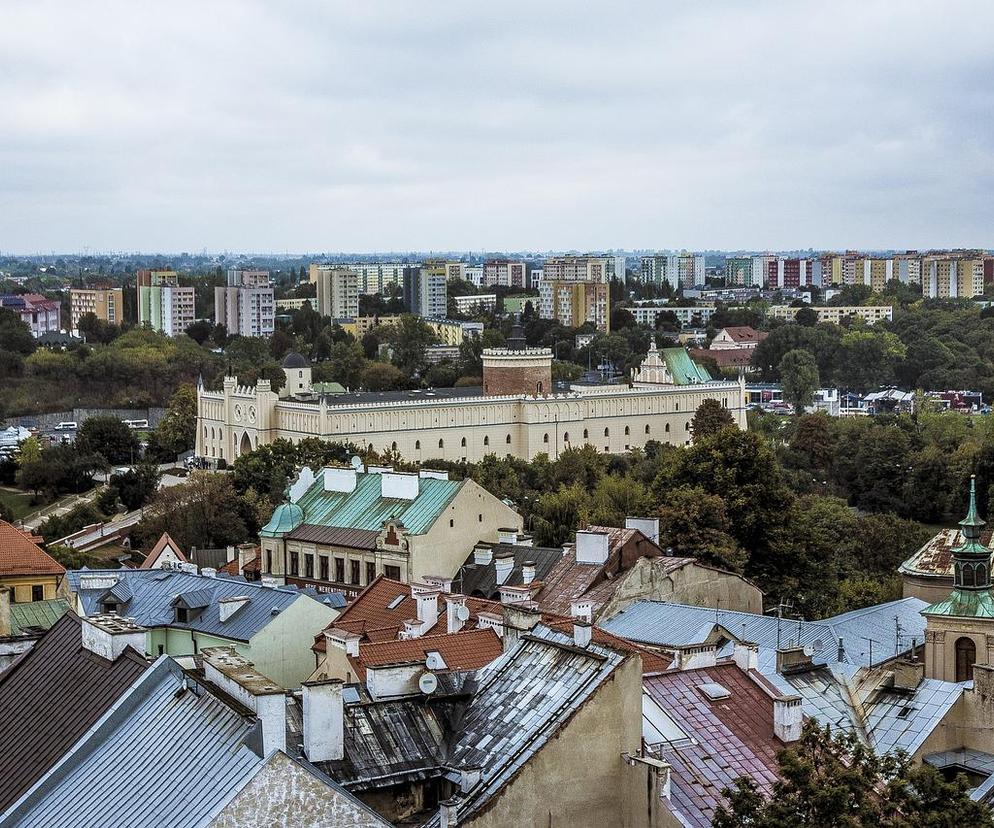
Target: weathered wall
x,y
932,590
282,649
81,415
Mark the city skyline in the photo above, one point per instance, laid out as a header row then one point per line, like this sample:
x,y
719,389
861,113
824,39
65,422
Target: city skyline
x,y
333,127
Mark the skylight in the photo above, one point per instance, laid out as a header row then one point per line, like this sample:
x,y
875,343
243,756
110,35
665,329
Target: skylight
x,y
714,691
395,602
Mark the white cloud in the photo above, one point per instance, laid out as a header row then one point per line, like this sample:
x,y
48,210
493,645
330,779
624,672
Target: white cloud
x,y
386,125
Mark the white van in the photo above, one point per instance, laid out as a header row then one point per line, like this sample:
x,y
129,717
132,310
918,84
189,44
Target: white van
x,y
136,424
68,425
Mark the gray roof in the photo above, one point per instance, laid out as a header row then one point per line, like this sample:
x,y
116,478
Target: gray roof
x,y
160,756
294,360
481,579
666,624
361,397
155,590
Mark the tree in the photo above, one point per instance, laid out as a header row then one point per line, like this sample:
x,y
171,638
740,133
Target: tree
x,y
177,430
694,523
15,336
799,377
109,437
833,780
806,317
137,486
710,418
347,363
409,340
200,331
381,376
558,515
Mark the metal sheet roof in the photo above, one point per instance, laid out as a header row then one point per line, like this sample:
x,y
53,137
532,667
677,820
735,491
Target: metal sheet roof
x,y
36,615
154,591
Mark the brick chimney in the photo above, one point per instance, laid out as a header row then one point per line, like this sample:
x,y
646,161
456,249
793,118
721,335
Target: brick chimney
x,y
324,720
787,718
793,660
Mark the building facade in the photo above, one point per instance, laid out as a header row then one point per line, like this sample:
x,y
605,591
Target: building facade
x,y
41,315
572,303
870,314
163,304
504,272
337,291
104,303
245,306
425,291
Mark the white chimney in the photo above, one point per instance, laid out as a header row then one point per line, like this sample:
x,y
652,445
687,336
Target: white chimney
x,y
340,479
246,554
433,474
208,572
492,621
229,606
456,612
427,606
697,656
746,655
4,611
89,580
504,566
400,485
507,536
591,547
787,718
582,633
324,720
647,526
439,582
448,813
582,609
305,479
109,635
343,640
483,555
229,554
528,572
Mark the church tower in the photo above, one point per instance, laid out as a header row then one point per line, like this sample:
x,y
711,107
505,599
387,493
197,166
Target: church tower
x,y
960,630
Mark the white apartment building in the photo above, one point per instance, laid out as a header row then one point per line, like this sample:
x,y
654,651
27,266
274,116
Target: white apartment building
x,y
871,314
476,302
504,273
474,274
337,291
648,312
575,269
245,305
685,270
163,304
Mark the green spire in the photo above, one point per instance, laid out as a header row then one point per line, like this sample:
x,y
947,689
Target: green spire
x,y
972,519
971,559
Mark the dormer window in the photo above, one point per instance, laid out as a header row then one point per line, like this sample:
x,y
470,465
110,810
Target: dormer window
x,y
182,615
109,607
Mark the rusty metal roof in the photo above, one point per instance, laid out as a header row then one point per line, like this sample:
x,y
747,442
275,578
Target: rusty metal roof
x,y
935,558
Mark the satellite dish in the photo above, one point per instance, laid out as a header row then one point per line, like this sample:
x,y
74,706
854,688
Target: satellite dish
x,y
808,650
462,613
427,684
356,462
818,645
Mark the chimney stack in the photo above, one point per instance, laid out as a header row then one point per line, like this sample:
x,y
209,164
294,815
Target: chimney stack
x,y
582,634
746,655
528,572
647,526
591,547
324,720
455,608
504,566
4,611
482,555
793,660
509,536
787,718
427,603
448,813
581,609
343,640
109,635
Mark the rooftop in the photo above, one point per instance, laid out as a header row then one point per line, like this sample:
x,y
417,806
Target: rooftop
x,y
27,618
20,556
461,651
935,558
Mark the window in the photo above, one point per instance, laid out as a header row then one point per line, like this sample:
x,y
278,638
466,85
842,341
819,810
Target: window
x,y
508,440
586,434
294,563
370,571
667,428
393,446
565,436
452,523
486,441
308,566
966,657
479,517
628,431
677,408
463,442
646,428
607,432
417,445
441,443
686,426
340,570
545,438
354,571
323,567
162,649
392,572
182,615
109,606
269,560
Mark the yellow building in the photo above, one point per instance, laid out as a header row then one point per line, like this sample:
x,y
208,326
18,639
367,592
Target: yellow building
x,y
30,573
104,303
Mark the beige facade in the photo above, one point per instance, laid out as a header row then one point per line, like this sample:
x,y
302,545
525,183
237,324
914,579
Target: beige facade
x,y
104,303
870,314
337,291
942,637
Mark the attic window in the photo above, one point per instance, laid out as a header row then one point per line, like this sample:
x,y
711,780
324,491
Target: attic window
x,y
714,691
395,602
905,711
182,615
109,607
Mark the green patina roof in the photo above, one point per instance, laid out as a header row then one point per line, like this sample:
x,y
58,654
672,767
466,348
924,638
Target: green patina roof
x,y
38,614
366,508
286,518
964,604
328,388
682,368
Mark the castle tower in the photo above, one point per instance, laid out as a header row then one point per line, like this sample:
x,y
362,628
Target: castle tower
x,y
517,370
960,630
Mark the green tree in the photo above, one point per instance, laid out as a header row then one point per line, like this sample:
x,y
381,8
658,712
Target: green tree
x,y
695,524
868,359
137,486
109,437
177,430
15,336
347,363
409,340
558,515
710,418
799,377
381,376
806,317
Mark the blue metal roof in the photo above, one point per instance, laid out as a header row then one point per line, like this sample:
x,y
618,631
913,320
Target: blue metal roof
x,y
154,592
366,508
160,756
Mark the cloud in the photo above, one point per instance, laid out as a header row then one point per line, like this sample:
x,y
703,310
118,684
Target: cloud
x,y
350,126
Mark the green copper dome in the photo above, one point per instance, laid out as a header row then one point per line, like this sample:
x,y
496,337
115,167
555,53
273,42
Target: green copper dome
x,y
286,518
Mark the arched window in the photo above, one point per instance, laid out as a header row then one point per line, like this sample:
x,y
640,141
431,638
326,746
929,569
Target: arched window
x,y
463,442
508,440
417,445
545,438
966,657
212,432
393,446
981,570
586,434
677,407
607,432
968,575
566,437
441,443
646,428
628,431
667,428
539,387
686,426
486,440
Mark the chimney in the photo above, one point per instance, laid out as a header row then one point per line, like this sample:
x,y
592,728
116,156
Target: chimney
x,y
456,612
109,635
440,583
448,813
983,684
343,640
787,718
507,536
528,572
493,621
229,606
696,656
746,655
4,611
582,609
427,607
469,778
908,673
237,676
208,572
433,474
246,554
582,633
504,566
647,526
482,555
340,479
229,554
324,720
793,660
399,485
591,547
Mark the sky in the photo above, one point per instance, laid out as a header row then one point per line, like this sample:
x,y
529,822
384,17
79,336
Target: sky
x,y
375,126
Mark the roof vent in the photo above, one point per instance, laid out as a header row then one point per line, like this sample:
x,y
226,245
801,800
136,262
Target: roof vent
x,y
396,602
714,691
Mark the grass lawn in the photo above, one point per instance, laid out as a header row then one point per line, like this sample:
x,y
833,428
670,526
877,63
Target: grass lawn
x,y
19,503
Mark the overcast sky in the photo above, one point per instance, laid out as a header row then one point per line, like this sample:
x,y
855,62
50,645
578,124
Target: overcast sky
x,y
325,126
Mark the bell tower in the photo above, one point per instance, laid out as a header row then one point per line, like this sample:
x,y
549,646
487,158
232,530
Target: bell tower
x,y
959,631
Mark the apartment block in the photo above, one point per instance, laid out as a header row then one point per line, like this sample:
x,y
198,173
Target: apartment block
x,y
571,303
373,277
648,312
653,270
337,290
575,269
738,271
685,270
953,277
504,273
870,314
425,290
104,303
245,306
163,304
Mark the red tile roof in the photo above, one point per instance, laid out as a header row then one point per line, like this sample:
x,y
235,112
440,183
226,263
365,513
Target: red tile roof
x,y
19,556
652,662
744,333
464,650
160,546
725,357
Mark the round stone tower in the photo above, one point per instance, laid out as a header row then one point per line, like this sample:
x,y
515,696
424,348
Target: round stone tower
x,y
517,369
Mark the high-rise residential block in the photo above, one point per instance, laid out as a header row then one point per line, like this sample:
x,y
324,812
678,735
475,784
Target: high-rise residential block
x,y
738,271
504,273
337,290
571,303
685,270
425,290
245,305
104,303
373,277
653,270
163,304
953,276
575,269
